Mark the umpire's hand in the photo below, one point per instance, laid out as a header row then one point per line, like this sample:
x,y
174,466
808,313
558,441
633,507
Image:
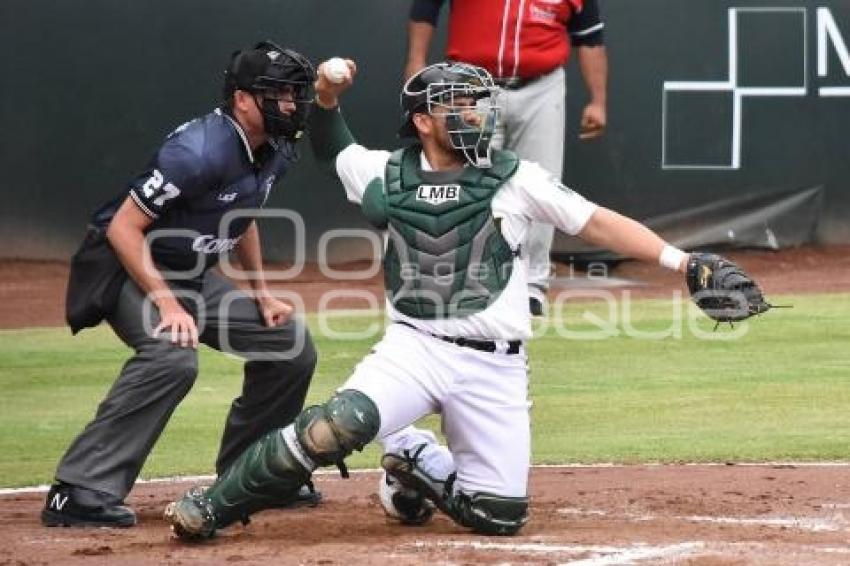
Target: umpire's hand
x,y
275,312
182,325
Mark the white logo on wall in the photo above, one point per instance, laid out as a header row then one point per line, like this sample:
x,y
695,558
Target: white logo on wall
x,y
438,194
828,33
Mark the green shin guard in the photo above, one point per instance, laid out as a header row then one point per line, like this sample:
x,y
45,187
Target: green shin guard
x,y
266,473
276,466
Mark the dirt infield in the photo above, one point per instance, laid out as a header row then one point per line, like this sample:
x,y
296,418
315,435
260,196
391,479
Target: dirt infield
x,y
697,515
33,293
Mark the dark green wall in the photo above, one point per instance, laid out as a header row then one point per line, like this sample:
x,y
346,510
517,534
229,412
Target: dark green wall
x,y
90,88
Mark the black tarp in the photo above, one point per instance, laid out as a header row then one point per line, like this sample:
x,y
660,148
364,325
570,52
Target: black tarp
x,y
767,220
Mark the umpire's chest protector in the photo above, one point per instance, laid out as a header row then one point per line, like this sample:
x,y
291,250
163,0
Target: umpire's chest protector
x,y
446,256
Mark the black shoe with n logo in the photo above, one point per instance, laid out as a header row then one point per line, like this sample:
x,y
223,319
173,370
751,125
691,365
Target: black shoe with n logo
x,y
73,506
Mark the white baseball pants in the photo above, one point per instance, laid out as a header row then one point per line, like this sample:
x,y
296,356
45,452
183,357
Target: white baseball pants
x,y
482,397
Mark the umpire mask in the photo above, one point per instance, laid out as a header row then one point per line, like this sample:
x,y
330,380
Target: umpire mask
x,y
275,74
464,95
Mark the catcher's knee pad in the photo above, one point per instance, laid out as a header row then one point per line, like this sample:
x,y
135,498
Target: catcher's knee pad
x,y
490,514
329,432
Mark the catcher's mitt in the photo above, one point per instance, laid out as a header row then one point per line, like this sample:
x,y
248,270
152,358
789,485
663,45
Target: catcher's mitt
x,y
723,290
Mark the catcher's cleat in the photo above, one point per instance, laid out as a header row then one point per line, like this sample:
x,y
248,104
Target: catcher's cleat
x,y
406,469
404,504
484,513
192,517
75,506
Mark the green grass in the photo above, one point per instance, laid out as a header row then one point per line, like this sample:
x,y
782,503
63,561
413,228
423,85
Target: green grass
x,y
780,391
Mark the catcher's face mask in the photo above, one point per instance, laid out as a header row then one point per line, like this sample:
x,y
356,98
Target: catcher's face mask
x,y
462,95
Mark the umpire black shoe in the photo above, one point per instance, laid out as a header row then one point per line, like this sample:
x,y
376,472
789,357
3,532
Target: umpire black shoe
x,y
74,506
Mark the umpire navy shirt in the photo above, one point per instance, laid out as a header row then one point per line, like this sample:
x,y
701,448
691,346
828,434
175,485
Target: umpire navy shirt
x,y
204,169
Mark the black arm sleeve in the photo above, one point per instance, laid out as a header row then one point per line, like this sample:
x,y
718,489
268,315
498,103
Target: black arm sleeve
x,y
425,11
586,27
329,134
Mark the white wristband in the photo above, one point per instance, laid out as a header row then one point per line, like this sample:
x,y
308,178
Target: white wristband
x,y
671,257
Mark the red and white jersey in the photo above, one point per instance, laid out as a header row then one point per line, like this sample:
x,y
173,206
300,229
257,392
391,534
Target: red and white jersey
x,y
511,38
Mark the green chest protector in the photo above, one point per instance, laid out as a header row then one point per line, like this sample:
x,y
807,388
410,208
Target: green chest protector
x,y
446,256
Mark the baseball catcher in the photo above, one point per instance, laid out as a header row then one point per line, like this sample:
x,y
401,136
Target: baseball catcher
x,y
456,214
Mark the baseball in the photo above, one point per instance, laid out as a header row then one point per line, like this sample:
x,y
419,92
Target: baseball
x,y
336,70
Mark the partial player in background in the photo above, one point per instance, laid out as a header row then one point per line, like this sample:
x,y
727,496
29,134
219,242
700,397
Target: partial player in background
x,y
162,298
524,46
455,213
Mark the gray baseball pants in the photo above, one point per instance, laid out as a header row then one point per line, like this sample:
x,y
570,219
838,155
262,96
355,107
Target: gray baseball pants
x,y
533,124
279,362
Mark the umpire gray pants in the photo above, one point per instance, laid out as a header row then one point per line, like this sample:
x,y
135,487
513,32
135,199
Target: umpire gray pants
x,y
532,123
110,452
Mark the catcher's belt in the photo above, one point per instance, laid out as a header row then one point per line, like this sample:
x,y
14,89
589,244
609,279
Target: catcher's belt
x,y
509,346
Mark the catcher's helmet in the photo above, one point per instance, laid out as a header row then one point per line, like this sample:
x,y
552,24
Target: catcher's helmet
x,y
457,89
268,69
